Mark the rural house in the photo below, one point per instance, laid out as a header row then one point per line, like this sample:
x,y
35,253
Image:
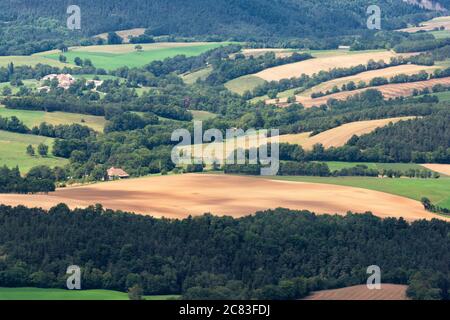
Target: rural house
x,y
116,173
64,80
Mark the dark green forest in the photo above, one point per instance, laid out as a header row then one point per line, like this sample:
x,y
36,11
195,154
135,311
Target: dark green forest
x,y
276,254
32,26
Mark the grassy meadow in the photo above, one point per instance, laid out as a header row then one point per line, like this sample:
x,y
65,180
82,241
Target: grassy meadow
x,y
116,56
33,118
437,190
13,151
62,294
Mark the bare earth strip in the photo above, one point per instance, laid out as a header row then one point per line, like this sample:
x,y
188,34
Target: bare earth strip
x,y
389,91
339,136
311,66
361,292
178,196
430,25
441,168
124,34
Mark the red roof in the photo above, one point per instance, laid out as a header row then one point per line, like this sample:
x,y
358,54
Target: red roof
x,y
117,172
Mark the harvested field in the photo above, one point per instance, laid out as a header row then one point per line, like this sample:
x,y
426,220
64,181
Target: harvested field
x,y
311,66
389,91
441,168
430,25
361,292
178,196
279,53
339,136
367,76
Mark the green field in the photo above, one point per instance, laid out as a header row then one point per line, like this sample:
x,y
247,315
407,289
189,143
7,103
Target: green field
x,y
437,190
13,151
33,118
443,96
29,61
338,165
200,115
62,294
113,57
440,34
31,84
244,83
191,78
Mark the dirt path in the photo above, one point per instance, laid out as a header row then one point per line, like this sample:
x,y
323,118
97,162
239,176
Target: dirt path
x,y
178,196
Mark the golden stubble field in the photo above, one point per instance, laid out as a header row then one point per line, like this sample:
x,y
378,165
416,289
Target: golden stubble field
x,y
389,91
178,196
311,66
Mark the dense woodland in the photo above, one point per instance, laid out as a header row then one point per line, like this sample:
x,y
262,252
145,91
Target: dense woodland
x,y
277,254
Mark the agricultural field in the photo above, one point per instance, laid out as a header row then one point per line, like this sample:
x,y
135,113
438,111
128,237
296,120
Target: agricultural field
x,y
124,34
437,190
244,83
62,294
110,57
408,69
338,136
389,91
200,115
13,151
361,292
311,66
33,118
443,96
430,25
441,168
239,196
29,61
338,165
192,77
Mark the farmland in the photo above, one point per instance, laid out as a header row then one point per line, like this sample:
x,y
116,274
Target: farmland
x,y
361,292
62,294
244,83
389,91
363,76
309,67
33,118
29,61
12,151
441,168
339,136
236,196
338,165
110,57
438,190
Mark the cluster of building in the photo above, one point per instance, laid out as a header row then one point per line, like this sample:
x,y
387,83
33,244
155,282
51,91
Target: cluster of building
x,y
65,81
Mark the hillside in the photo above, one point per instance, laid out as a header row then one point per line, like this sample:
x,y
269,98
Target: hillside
x,y
235,18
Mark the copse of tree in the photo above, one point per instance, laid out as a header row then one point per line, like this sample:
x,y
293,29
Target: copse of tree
x,y
114,38
38,179
42,149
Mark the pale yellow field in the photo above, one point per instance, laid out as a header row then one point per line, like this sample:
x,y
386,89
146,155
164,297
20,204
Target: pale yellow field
x,y
441,168
430,25
124,34
311,66
29,61
408,69
178,196
339,136
389,91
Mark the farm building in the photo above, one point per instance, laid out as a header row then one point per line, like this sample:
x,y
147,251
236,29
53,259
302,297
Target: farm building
x,y
64,80
116,173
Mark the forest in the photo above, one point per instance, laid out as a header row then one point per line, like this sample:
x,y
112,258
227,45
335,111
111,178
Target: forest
x,y
276,254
